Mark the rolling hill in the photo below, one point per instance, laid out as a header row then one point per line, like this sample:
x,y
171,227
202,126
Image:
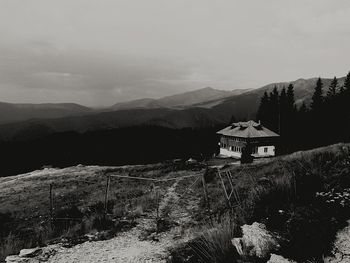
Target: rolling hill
x,y
246,105
201,115
179,101
14,112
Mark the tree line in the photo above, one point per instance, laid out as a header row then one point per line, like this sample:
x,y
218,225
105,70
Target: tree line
x,y
324,121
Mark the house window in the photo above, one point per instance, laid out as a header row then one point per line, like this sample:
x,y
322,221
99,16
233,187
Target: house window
x,y
265,149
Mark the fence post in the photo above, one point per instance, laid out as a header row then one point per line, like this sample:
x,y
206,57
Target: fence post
x,y
106,194
205,189
157,200
225,191
51,207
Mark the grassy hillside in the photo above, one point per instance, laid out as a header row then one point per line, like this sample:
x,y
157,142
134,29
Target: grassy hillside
x,y
78,202
136,145
302,197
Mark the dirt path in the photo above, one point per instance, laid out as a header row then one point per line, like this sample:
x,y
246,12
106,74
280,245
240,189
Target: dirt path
x,y
127,247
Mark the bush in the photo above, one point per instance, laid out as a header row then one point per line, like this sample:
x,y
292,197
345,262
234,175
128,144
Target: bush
x,y
310,233
214,243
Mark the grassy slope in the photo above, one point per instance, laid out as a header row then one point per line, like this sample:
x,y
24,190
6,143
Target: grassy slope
x,y
77,192
280,192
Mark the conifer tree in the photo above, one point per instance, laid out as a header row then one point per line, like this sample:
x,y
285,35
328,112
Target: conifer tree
x,y
282,118
317,98
333,88
233,119
302,108
283,99
347,83
262,114
274,109
290,105
290,96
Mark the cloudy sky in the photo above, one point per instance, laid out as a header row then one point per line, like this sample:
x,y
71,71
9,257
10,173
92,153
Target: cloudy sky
x,y
98,52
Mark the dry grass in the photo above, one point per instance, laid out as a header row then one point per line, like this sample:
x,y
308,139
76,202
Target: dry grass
x,y
78,192
281,193
214,242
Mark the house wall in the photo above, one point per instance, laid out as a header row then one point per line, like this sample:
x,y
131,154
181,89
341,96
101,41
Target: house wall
x,y
262,153
232,147
229,153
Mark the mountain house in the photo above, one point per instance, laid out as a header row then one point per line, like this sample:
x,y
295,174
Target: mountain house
x,y
251,136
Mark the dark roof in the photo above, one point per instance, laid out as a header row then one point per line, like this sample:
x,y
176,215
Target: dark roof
x,y
248,129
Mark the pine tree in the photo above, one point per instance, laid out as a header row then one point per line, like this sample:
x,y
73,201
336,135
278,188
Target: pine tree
x,y
263,113
283,98
274,109
302,108
290,96
282,111
317,98
333,88
347,83
233,119
291,109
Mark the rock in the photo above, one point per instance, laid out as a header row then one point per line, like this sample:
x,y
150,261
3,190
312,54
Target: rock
x,y
256,241
341,247
48,252
279,259
16,259
34,255
30,253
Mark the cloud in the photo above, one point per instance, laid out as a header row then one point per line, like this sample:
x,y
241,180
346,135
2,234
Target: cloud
x,y
101,52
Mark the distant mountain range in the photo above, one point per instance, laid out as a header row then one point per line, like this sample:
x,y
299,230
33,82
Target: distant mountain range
x,y
12,112
179,101
196,109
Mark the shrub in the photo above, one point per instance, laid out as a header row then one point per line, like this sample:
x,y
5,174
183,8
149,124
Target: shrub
x,y
310,233
214,243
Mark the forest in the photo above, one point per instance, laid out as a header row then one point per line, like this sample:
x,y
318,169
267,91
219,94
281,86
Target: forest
x,y
325,121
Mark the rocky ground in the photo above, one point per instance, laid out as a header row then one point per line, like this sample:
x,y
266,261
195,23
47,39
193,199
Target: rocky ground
x,y
341,248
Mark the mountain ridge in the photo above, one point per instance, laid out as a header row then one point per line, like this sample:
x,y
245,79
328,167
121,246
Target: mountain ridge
x,y
179,101
220,112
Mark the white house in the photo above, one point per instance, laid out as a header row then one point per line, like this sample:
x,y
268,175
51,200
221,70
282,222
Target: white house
x,y
260,141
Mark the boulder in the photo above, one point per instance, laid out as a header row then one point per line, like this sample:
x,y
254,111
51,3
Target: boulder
x,y
341,247
33,255
16,259
30,252
255,241
279,259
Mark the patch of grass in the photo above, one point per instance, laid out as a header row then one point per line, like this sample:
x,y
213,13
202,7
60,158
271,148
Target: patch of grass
x,y
282,193
214,243
78,199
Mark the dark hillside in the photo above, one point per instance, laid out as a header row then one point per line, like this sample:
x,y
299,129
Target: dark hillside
x,y
134,145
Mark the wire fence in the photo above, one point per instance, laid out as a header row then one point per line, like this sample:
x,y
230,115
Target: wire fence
x,y
120,195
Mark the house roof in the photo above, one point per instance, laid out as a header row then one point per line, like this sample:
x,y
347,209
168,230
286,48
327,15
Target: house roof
x,y
248,129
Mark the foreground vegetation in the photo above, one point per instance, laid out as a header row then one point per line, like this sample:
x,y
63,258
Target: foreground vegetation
x,y
304,198
78,203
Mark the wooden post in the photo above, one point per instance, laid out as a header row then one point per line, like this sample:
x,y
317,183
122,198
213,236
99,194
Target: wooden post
x,y
225,191
51,207
205,189
157,216
106,193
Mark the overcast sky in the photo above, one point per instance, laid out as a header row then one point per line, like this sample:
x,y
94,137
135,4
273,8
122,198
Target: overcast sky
x,y
98,52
